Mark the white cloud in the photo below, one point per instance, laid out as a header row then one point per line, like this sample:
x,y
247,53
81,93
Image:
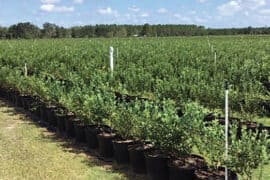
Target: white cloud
x,y
203,1
162,10
229,8
183,19
78,1
177,15
252,4
265,11
235,6
144,15
134,8
50,1
108,11
64,9
193,12
53,8
47,7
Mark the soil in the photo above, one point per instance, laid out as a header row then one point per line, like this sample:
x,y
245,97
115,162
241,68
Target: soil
x,y
190,161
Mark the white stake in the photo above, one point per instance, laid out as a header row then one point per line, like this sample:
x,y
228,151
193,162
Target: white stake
x,y
226,125
215,59
111,58
117,54
208,42
25,70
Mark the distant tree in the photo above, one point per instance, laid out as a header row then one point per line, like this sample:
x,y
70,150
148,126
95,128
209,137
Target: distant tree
x,y
146,30
28,30
121,31
24,30
88,31
49,30
61,32
3,32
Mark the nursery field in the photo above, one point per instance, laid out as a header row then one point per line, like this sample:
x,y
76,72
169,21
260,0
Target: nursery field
x,y
182,69
168,92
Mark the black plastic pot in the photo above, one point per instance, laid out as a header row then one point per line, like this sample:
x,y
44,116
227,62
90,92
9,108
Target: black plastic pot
x,y
38,108
91,133
61,122
157,165
182,173
185,167
34,107
50,110
137,158
13,96
2,92
26,102
10,95
69,126
218,174
252,126
5,93
105,145
18,100
120,148
79,131
43,112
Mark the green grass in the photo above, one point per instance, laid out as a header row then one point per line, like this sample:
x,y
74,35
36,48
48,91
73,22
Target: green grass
x,y
264,120
265,173
28,151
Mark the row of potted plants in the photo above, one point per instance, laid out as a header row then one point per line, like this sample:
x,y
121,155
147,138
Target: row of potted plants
x,y
148,134
143,156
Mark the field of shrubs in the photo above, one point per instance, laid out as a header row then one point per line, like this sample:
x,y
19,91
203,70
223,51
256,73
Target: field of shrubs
x,y
162,104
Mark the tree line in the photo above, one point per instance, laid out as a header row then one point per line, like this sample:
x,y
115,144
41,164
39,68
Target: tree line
x,y
30,31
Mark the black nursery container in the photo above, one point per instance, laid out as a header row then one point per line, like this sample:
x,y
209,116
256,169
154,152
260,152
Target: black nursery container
x,y
69,126
19,100
43,112
185,167
91,133
137,158
157,166
218,174
27,102
61,122
120,148
2,92
79,129
105,145
50,111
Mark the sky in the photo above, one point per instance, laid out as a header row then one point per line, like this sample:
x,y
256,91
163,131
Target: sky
x,y
68,13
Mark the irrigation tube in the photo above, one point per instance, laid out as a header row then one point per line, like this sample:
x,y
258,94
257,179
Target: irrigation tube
x,y
226,125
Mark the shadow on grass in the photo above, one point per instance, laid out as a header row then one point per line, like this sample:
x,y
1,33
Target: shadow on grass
x,y
93,159
69,145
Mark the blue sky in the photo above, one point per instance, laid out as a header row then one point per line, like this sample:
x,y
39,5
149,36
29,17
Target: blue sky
x,y
67,13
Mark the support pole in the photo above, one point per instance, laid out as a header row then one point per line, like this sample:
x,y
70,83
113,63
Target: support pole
x,y
226,125
111,58
25,70
215,57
